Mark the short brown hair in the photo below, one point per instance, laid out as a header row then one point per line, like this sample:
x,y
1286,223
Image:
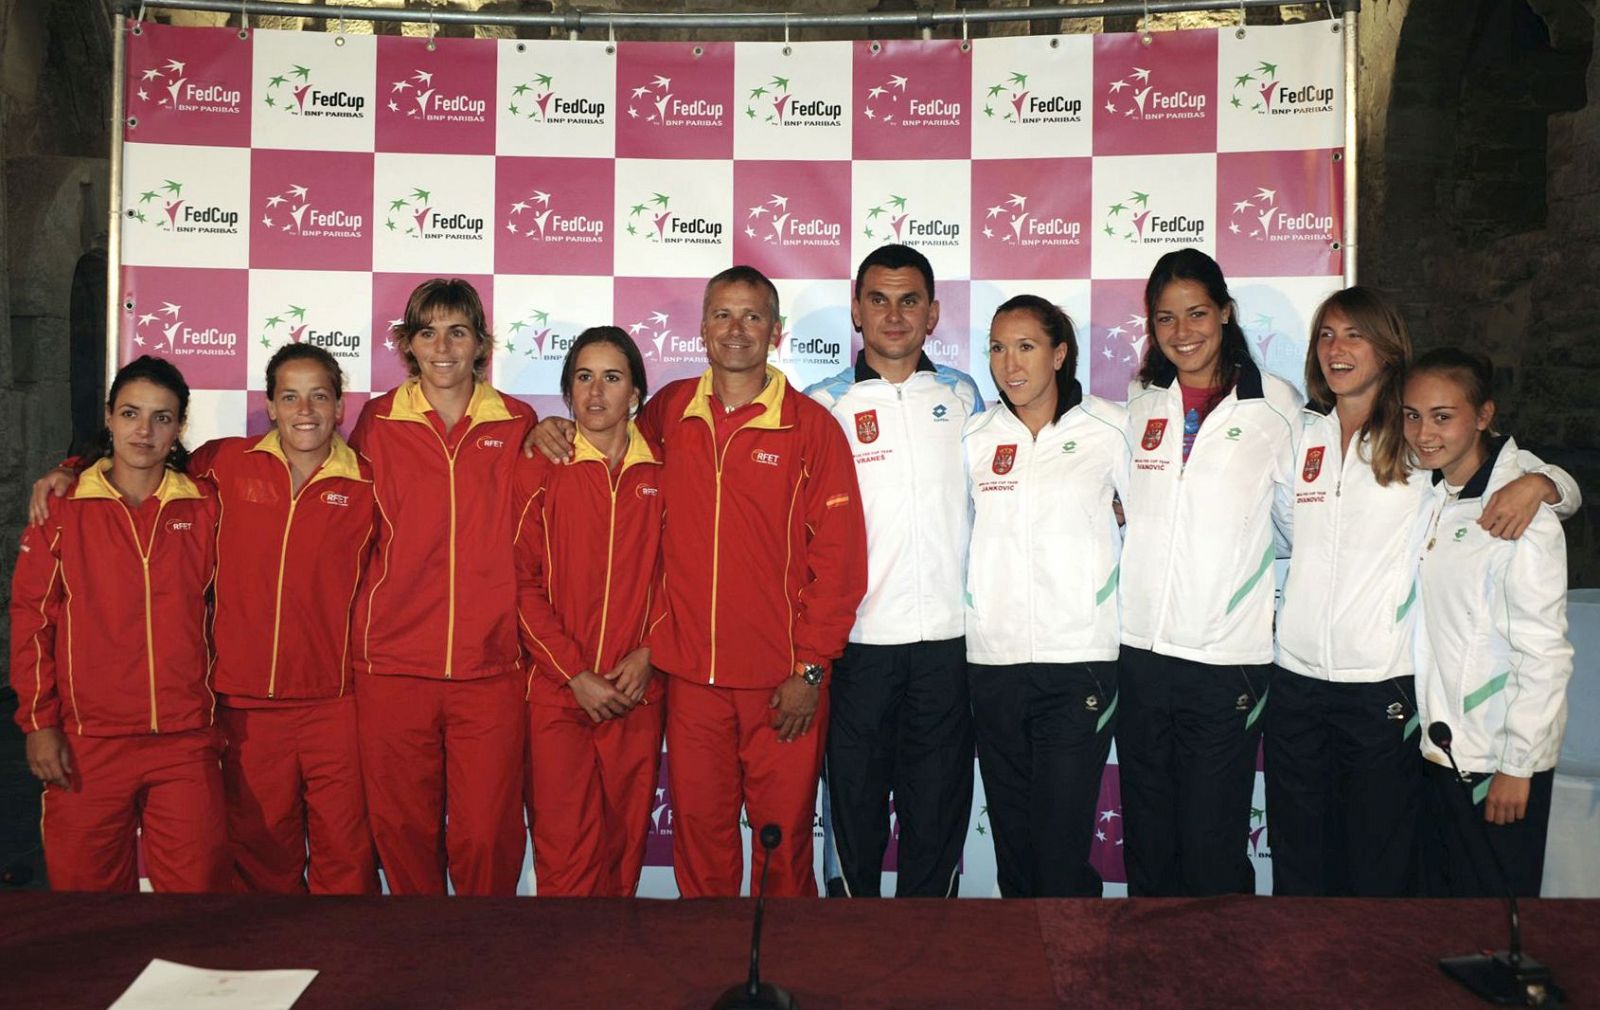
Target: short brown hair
x,y
444,295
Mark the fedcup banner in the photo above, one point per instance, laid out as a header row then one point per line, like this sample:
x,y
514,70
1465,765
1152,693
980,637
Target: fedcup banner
x,y
283,188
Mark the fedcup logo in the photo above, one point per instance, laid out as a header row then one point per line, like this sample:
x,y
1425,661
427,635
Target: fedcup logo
x,y
292,213
805,350
166,332
658,343
889,100
284,323
1117,336
533,338
537,99
539,221
1015,225
773,222
165,208
290,323
774,102
653,219
420,98
895,216
169,86
415,216
291,92
1136,95
1123,343
1132,219
656,104
1265,92
1260,218
1013,102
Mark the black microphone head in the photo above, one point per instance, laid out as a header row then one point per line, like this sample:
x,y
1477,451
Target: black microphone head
x,y
771,835
1439,733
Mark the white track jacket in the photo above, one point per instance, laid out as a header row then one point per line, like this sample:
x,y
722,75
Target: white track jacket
x,y
1044,565
1350,600
1493,659
1197,559
907,445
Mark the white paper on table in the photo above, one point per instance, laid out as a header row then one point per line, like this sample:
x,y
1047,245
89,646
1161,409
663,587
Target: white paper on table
x,y
167,985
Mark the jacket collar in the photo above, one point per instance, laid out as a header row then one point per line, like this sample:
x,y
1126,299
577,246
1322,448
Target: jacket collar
x,y
95,482
865,371
1247,388
770,398
639,450
1478,483
410,405
341,461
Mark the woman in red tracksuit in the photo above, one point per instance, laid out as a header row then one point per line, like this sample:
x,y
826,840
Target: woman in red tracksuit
x,y
434,638
587,546
109,660
297,520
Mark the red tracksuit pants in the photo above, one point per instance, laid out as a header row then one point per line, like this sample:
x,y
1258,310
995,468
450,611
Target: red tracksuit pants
x,y
723,752
164,789
297,816
591,789
432,749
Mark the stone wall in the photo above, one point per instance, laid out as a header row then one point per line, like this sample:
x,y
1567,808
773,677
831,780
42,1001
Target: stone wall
x,y
1480,208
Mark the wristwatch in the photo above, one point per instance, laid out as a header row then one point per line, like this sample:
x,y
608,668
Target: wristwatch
x,y
811,673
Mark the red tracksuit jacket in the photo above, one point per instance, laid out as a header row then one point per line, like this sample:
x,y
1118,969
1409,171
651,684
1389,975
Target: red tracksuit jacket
x,y
108,610
438,598
288,567
587,547
765,554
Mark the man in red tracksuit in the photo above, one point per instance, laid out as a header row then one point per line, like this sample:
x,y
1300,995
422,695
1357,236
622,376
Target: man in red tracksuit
x,y
764,562
434,642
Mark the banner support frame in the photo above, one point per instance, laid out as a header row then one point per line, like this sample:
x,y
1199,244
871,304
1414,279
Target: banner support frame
x,y
1352,91
571,21
114,208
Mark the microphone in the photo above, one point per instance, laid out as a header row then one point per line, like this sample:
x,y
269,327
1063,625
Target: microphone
x,y
1505,977
754,994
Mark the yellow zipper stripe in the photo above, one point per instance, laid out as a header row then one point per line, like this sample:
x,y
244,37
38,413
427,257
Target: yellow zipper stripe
x,y
605,593
277,599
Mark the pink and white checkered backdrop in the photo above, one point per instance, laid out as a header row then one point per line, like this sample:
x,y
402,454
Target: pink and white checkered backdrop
x,y
286,188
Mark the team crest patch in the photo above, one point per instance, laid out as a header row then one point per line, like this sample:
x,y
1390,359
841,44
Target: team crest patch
x,y
1313,467
1005,456
867,426
1153,430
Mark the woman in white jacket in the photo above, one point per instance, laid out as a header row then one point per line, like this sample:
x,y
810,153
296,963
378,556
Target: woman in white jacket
x,y
1213,457
1041,619
1494,660
1343,771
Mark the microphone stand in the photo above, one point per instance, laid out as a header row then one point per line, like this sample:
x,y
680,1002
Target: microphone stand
x,y
754,994
1505,977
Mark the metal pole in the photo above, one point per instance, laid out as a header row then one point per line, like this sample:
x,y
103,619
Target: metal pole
x,y
114,212
1352,193
574,20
